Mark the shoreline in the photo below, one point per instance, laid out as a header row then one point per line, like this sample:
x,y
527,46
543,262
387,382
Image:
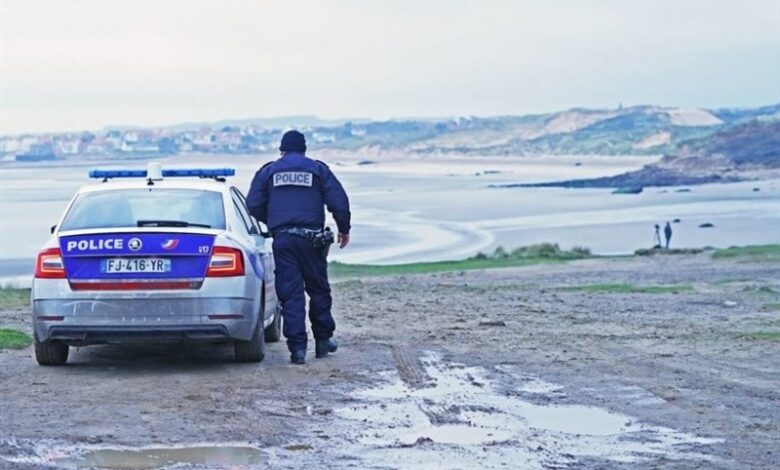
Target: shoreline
x,y
419,210
648,175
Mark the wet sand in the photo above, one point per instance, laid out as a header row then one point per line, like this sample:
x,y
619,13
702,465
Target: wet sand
x,y
410,209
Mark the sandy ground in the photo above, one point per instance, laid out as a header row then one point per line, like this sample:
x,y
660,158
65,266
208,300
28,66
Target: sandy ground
x,y
484,369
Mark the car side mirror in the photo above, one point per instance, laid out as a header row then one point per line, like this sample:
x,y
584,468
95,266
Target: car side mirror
x,y
264,232
53,228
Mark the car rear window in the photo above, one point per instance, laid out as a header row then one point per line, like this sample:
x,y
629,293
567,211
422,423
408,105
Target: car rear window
x,y
124,208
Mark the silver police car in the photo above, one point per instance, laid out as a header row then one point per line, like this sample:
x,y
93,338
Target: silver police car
x,y
155,255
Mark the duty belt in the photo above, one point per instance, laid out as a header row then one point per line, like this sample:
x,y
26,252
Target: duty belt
x,y
301,232
320,239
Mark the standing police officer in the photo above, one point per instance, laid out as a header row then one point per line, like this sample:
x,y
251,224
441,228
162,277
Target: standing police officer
x,y
288,196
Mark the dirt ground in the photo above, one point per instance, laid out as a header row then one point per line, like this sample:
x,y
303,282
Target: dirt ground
x,y
506,368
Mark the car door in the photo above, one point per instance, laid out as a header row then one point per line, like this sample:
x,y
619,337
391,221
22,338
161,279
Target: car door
x,y
263,248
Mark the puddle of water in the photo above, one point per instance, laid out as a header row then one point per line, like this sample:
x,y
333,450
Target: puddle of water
x,y
575,419
465,420
530,384
159,457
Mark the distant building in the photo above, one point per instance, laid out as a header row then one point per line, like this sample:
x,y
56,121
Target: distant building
x,y
323,138
114,139
37,153
167,145
130,137
140,147
11,145
68,146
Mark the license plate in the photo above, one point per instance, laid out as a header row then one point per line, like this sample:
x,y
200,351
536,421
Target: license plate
x,y
135,265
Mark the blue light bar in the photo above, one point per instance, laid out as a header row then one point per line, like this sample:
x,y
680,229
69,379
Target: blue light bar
x,y
171,173
200,172
117,174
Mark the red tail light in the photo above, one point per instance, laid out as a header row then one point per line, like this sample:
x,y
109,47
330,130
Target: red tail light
x,y
226,262
49,264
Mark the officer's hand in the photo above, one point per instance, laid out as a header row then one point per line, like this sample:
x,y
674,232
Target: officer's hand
x,y
343,240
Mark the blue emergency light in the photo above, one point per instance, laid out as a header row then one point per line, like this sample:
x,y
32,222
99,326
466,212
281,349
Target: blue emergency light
x,y
117,174
200,172
171,173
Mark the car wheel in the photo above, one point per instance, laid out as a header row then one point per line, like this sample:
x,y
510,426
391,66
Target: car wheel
x,y
274,331
51,353
254,349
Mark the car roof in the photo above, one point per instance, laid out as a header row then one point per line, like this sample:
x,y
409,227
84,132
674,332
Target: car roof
x,y
204,184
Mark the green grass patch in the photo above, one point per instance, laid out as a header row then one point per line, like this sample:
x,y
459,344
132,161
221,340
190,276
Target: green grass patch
x,y
13,298
13,339
342,270
754,252
630,289
735,280
763,335
539,251
544,253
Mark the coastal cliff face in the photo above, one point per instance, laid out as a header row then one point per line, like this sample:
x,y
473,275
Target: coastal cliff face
x,y
746,151
755,144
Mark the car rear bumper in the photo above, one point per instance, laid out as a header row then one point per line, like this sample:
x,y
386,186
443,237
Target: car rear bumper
x,y
117,320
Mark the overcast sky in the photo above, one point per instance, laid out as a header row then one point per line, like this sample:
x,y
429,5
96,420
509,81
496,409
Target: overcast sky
x,y
86,64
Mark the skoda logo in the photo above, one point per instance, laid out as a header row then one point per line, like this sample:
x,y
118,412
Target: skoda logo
x,y
134,244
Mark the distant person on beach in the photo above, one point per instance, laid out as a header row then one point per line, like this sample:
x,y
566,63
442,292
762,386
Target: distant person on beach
x,y
657,240
668,234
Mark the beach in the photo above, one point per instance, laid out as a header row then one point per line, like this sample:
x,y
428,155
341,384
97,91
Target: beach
x,y
409,209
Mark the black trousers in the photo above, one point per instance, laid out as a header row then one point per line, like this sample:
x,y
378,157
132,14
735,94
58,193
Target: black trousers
x,y
302,268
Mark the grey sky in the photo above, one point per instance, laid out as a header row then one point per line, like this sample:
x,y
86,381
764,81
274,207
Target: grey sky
x,y
84,64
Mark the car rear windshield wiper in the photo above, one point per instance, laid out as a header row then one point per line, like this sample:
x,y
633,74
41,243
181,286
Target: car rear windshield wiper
x,y
170,223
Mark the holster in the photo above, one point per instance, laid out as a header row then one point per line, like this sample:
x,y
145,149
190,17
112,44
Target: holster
x,y
323,240
320,239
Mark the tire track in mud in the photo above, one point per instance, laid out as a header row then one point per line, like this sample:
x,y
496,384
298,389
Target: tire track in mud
x,y
476,417
410,368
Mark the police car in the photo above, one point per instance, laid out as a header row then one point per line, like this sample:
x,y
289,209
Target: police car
x,y
155,255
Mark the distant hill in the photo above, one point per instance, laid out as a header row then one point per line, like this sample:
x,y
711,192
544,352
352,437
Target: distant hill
x,y
632,130
748,150
636,130
737,115
756,143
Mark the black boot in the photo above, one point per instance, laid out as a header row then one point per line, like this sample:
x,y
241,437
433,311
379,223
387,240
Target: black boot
x,y
324,347
298,357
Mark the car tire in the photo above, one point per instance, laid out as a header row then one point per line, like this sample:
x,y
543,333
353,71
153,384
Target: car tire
x,y
254,349
51,353
274,331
